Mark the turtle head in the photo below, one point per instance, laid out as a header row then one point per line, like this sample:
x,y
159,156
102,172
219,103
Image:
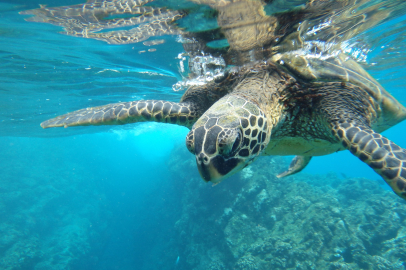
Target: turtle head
x,y
229,136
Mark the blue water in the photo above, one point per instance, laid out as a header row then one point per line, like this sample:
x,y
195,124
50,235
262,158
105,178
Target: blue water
x,y
103,197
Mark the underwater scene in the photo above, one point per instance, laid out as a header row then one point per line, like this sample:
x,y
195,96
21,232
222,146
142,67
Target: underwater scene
x,y
202,134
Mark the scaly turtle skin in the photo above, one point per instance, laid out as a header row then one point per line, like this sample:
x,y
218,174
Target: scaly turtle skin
x,y
290,104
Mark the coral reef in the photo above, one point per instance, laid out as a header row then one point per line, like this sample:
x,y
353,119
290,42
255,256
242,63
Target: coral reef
x,y
47,219
246,263
252,220
257,221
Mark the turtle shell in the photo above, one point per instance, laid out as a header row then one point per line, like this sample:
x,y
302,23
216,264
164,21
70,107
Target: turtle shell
x,y
342,68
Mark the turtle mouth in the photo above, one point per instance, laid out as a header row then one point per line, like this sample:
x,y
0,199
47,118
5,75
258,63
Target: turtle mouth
x,y
218,168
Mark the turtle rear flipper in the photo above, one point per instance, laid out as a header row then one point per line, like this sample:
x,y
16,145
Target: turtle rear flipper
x,y
381,154
184,114
297,164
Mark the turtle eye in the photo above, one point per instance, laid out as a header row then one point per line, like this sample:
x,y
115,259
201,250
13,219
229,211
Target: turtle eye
x,y
190,143
237,142
229,142
222,144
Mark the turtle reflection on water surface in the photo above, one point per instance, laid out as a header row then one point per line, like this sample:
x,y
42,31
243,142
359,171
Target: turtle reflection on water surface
x,y
273,97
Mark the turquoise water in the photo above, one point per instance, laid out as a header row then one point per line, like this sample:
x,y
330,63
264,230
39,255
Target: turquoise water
x,y
110,197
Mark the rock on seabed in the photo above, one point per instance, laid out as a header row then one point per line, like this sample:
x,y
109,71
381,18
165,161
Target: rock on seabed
x,y
299,222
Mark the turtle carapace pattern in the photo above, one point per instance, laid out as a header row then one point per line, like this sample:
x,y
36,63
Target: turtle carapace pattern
x,y
280,99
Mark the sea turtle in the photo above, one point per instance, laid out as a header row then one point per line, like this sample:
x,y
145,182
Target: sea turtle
x,y
285,102
289,105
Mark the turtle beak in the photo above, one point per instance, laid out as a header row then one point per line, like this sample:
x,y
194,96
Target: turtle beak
x,y
209,173
216,169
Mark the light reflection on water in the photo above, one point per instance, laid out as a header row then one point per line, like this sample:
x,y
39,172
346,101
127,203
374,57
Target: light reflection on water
x,y
53,73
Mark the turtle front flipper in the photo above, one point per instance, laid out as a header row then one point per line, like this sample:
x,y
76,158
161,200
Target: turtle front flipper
x,y
297,164
184,114
382,155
